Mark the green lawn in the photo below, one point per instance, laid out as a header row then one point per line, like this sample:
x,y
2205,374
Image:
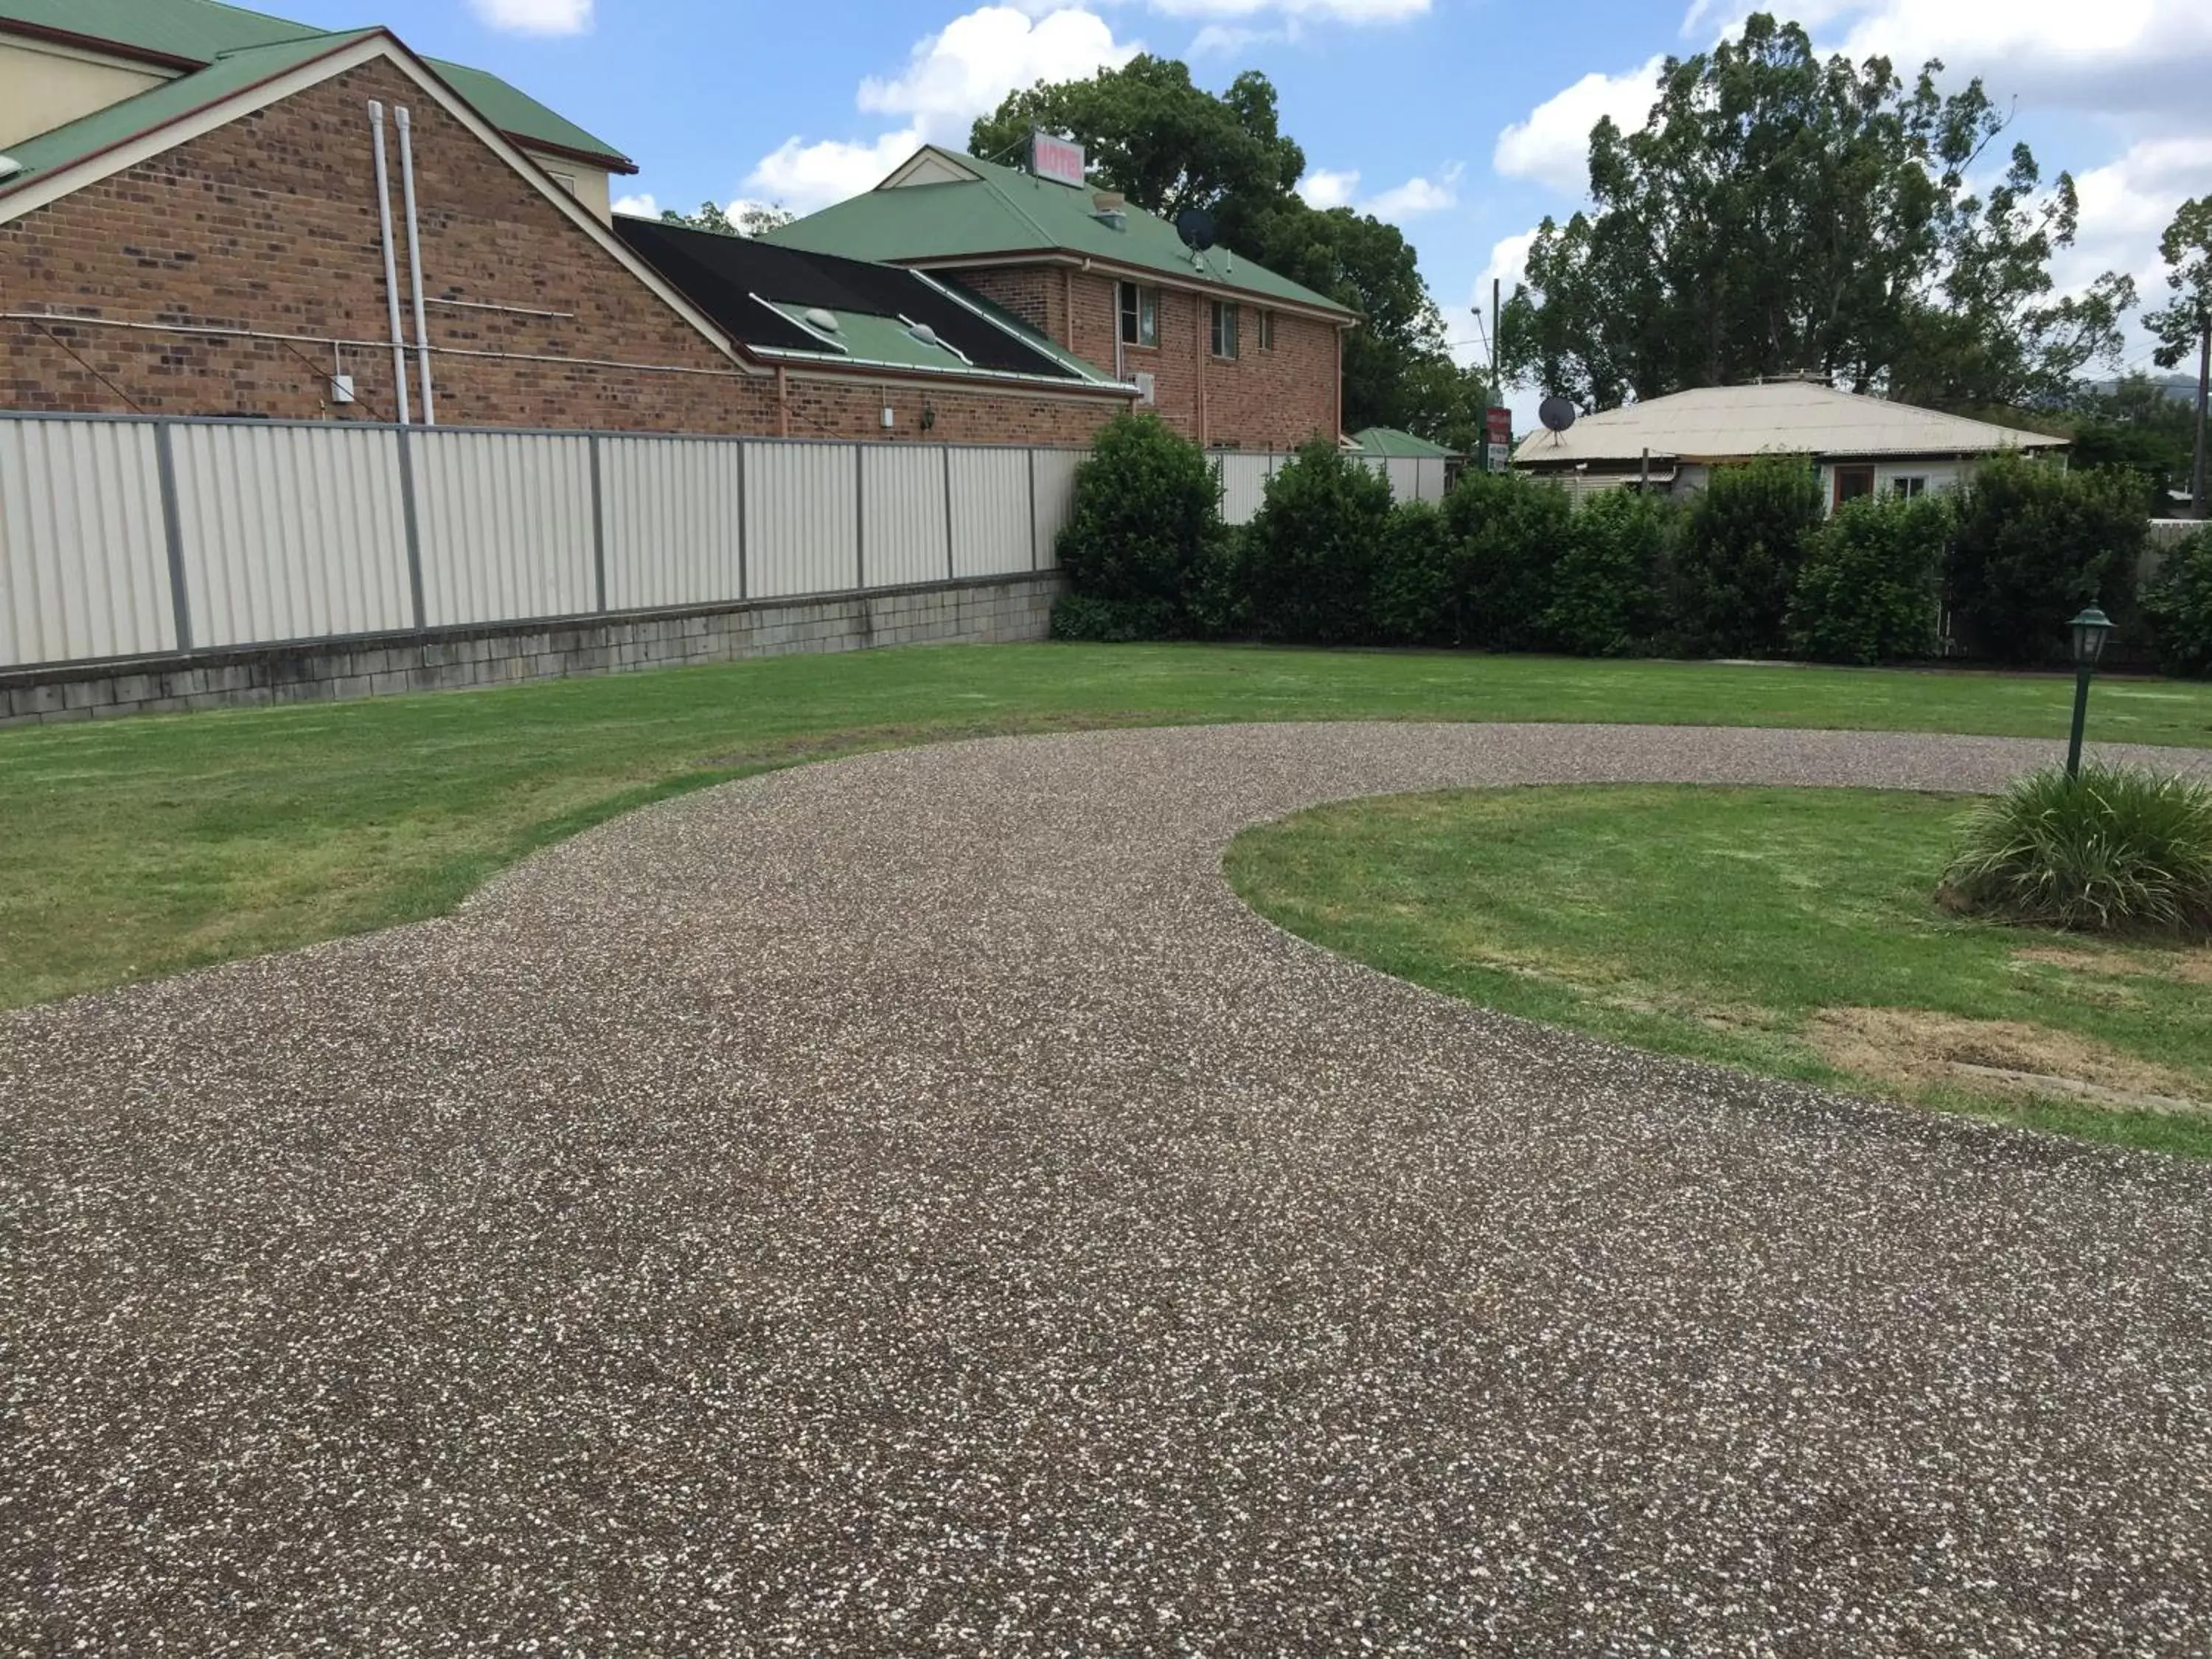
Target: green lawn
x,y
1787,932
139,847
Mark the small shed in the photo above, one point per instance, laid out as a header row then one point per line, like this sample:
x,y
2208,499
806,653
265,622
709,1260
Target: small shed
x,y
1863,446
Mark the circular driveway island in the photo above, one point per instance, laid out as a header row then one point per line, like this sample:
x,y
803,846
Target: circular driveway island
x,y
910,1206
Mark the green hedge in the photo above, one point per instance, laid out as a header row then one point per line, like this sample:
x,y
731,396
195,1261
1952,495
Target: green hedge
x,y
2034,544
2177,605
1871,587
1751,566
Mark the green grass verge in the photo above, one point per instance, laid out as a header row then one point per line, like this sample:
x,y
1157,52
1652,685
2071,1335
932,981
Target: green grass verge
x,y
1753,927
143,847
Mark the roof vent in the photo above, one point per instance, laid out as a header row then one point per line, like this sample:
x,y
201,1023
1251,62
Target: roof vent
x,y
9,167
1110,208
826,321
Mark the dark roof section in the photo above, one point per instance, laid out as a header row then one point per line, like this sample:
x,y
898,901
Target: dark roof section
x,y
722,274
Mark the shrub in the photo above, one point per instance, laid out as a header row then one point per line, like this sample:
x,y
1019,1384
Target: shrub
x,y
1742,542
2119,848
1311,550
1509,531
2177,605
1113,621
1605,586
1871,587
1148,514
2034,544
1218,606
1416,599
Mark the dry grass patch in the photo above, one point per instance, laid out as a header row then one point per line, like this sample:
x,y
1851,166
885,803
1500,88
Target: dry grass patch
x,y
1914,1050
2182,967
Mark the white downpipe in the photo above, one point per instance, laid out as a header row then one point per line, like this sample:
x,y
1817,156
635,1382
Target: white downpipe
x,y
415,266
391,268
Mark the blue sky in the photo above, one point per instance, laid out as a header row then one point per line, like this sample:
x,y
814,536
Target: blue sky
x,y
1464,121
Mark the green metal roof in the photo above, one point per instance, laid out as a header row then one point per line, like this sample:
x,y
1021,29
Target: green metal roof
x,y
1389,441
157,107
186,32
1004,211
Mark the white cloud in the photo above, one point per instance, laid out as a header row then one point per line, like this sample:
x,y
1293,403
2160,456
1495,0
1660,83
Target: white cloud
x,y
535,17
1417,196
1330,11
1324,190
963,71
639,207
1551,146
951,78
804,177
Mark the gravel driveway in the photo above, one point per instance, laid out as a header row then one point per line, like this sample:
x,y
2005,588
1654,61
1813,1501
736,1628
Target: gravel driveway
x,y
909,1205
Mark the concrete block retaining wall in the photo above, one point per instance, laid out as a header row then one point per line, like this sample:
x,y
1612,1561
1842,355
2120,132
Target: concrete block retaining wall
x,y
993,610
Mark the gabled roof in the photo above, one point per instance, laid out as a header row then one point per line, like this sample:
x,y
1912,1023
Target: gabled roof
x,y
191,35
235,86
957,207
229,74
764,297
1787,417
1389,441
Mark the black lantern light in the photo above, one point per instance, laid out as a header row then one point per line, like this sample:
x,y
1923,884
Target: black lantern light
x,y
2091,630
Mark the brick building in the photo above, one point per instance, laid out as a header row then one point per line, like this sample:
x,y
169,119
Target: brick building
x,y
198,231
1228,352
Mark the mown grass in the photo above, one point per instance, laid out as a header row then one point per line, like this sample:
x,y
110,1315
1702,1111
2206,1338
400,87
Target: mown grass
x,y
1789,933
143,847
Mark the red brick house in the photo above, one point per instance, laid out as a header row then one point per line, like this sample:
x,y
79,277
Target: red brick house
x,y
1227,351
201,228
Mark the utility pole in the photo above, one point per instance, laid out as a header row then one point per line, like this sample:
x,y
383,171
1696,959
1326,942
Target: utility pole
x,y
1496,392
2196,502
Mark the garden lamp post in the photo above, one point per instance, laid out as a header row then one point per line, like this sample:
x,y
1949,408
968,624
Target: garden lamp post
x,y
2091,630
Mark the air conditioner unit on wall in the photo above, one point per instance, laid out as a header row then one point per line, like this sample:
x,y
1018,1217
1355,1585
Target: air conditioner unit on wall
x,y
1147,388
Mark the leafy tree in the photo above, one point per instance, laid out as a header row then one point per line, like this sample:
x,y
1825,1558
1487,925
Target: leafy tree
x,y
1743,541
1871,588
754,218
1777,214
2034,544
1164,143
2180,325
2139,424
1167,145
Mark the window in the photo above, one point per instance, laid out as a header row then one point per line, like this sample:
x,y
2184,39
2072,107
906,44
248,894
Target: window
x,y
1853,482
1908,488
1140,315
566,180
1266,331
1224,329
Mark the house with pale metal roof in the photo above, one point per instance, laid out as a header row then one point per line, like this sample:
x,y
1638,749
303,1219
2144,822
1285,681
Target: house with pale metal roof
x,y
1863,446
1229,353
209,211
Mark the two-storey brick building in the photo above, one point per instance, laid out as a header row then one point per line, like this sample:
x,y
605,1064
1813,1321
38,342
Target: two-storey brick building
x,y
1227,351
206,211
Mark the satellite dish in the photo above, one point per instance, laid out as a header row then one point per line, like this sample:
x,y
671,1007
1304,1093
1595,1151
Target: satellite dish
x,y
1195,227
1556,413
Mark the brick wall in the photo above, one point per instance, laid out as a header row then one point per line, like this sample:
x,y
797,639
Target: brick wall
x,y
845,408
1274,400
269,225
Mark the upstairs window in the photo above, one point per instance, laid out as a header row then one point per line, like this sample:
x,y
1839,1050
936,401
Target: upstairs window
x,y
1224,329
1140,315
1266,331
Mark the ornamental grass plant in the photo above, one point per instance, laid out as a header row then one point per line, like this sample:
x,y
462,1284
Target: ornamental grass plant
x,y
2116,849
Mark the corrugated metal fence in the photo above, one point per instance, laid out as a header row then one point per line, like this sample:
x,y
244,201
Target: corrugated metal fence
x,y
1244,474
124,537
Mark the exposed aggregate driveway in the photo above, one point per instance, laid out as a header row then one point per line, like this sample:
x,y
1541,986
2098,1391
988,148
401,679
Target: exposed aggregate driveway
x,y
909,1205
